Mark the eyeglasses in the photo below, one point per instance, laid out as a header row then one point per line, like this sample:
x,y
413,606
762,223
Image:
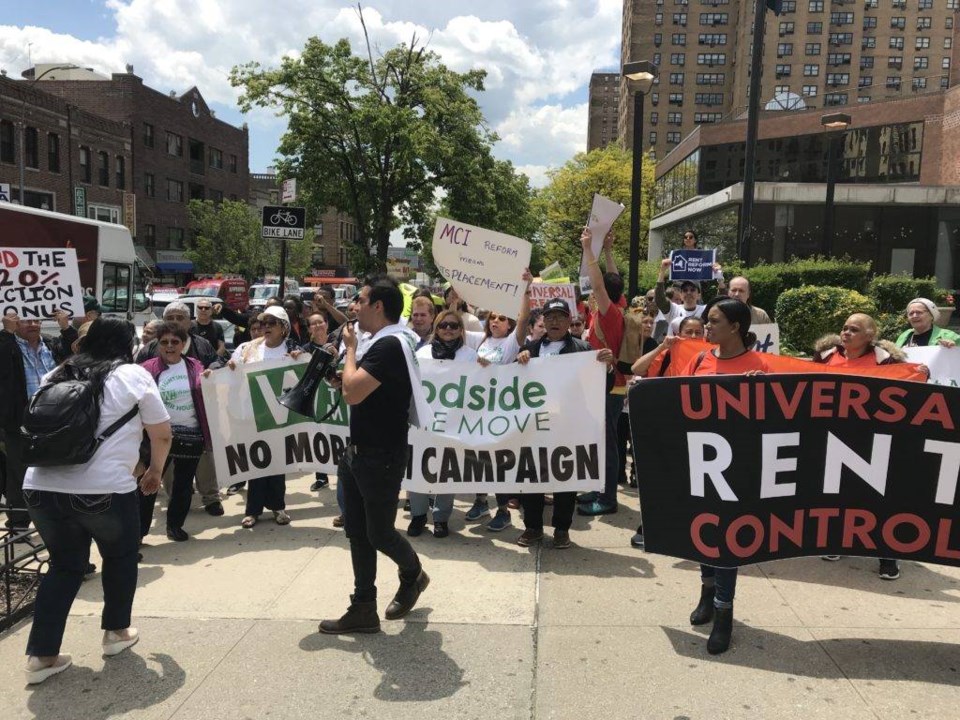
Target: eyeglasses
x,y
448,326
688,237
204,307
497,317
170,342
269,323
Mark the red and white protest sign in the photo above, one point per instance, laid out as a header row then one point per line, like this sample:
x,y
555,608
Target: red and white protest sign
x,y
542,293
37,282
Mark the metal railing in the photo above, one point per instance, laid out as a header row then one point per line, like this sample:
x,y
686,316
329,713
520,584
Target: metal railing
x,y
22,564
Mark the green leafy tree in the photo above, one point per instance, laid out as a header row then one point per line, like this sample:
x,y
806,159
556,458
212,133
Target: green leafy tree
x,y
374,136
226,238
490,194
565,203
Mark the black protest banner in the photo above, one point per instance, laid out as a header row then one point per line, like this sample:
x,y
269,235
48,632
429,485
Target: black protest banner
x,y
735,470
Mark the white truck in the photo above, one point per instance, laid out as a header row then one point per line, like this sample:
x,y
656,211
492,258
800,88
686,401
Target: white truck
x,y
109,268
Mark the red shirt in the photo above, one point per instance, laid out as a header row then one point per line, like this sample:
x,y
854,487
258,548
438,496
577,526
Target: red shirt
x,y
712,365
868,359
611,324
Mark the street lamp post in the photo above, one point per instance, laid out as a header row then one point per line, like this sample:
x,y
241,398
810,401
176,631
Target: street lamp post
x,y
23,130
641,74
835,124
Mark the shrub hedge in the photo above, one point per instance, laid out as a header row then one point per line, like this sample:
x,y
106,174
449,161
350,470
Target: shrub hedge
x,y
893,292
807,313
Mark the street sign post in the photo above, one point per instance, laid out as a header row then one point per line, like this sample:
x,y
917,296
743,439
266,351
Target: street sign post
x,y
80,201
5,192
283,223
288,191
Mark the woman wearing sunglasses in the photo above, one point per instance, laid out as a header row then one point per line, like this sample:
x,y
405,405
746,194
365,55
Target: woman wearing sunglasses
x,y
499,344
448,342
274,344
178,379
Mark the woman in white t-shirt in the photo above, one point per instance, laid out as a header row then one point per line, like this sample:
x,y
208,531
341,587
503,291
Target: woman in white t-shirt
x,y
275,344
499,344
446,344
70,505
178,378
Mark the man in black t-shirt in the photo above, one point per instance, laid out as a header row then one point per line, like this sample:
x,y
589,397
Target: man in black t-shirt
x,y
378,389
205,327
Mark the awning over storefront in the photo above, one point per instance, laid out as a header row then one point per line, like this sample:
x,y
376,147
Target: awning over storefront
x,y
172,261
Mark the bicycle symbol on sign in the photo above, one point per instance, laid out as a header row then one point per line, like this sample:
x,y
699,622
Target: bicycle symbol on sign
x,y
283,216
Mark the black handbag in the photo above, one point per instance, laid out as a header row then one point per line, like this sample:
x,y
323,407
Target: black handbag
x,y
187,442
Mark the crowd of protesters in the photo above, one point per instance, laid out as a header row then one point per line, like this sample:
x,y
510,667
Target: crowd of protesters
x,y
169,442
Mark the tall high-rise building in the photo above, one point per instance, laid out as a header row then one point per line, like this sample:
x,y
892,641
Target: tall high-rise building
x,y
603,110
817,53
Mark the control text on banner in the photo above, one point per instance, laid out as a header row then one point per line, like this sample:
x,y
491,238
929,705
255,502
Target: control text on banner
x,y
750,469
37,282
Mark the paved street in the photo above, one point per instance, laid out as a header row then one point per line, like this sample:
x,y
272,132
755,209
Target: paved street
x,y
228,623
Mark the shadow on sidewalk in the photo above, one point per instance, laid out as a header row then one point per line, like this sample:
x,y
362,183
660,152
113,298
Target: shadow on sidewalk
x,y
125,684
847,658
412,664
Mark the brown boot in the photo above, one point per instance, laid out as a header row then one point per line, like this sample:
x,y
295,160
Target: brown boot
x,y
406,597
361,617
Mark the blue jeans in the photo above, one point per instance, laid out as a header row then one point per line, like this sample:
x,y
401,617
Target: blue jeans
x,y
614,408
725,582
442,505
67,523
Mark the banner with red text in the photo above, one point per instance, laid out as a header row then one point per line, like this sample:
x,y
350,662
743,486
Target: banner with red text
x,y
735,470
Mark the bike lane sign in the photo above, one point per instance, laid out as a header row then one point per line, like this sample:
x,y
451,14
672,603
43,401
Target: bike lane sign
x,y
283,223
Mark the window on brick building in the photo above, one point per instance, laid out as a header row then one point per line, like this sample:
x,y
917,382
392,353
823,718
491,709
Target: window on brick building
x,y
86,172
149,185
53,152
174,144
233,163
811,49
653,137
174,190
814,28
216,158
175,237
120,167
7,144
148,135
103,169
150,235
32,146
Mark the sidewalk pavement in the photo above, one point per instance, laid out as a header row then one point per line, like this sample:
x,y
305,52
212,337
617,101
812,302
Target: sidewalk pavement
x,y
229,630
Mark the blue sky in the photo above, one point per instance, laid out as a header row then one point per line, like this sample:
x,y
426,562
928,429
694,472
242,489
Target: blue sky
x,y
538,53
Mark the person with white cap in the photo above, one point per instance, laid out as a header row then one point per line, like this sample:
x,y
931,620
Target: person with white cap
x,y
921,313
267,492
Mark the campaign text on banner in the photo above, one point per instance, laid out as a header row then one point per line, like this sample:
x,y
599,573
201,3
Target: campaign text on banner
x,y
37,282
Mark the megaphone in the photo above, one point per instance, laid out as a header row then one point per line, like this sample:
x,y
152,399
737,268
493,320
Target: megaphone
x,y
300,398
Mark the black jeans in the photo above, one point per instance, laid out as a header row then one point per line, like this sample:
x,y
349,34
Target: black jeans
x,y
564,503
181,493
66,524
623,437
614,408
371,488
267,492
13,487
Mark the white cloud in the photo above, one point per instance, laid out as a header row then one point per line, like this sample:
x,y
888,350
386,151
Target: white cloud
x,y
538,55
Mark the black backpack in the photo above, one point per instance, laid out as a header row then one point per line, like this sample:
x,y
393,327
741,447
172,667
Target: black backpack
x,y
60,421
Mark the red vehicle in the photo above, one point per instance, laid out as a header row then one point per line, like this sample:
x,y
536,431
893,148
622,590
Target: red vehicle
x,y
232,290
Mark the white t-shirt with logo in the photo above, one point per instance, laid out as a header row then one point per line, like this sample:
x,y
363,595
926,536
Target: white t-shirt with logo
x,y
548,348
464,354
174,385
496,351
110,470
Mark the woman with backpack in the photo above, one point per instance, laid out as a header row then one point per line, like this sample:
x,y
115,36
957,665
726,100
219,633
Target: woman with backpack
x,y
72,504
178,379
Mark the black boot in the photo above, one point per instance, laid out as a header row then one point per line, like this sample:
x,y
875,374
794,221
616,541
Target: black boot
x,y
361,617
703,613
719,639
406,596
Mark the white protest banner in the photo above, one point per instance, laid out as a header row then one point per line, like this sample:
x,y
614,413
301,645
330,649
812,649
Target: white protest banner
x,y
483,266
768,338
503,428
542,293
603,215
37,282
944,363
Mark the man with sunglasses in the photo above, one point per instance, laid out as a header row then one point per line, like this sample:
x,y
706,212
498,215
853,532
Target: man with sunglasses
x,y
205,327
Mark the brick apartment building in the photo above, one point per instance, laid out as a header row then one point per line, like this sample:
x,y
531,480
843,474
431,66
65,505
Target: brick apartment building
x,y
603,103
180,152
824,53
64,149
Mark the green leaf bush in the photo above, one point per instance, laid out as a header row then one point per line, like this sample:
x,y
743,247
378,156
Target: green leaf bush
x,y
807,313
893,292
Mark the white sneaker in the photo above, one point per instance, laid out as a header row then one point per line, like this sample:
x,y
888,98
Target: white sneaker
x,y
37,674
114,644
